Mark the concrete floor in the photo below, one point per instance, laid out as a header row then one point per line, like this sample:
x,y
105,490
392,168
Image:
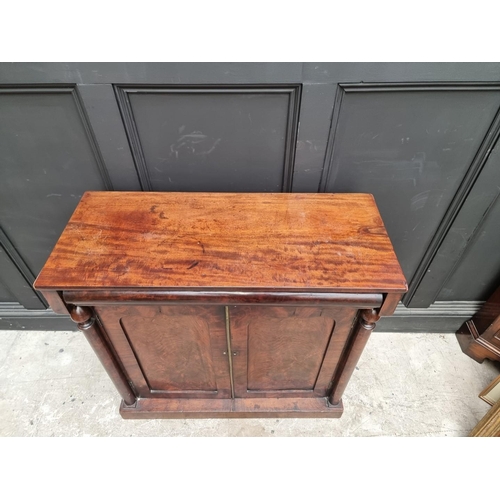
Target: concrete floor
x,y
51,384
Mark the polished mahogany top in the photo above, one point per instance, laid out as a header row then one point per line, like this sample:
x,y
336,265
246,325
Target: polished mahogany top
x,y
224,241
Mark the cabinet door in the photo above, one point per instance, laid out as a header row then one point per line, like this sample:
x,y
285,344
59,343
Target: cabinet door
x,y
286,351
170,351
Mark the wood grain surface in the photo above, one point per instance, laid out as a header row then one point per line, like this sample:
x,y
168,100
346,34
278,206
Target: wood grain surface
x,y
232,408
174,351
223,241
171,351
287,352
489,425
151,297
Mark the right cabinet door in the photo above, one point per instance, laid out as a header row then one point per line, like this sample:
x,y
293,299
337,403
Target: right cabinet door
x,y
286,351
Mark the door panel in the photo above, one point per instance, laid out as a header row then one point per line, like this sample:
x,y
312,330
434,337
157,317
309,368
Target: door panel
x,y
171,351
286,351
175,353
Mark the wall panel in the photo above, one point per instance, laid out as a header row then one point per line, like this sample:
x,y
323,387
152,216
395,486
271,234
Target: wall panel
x,y
411,147
212,139
48,160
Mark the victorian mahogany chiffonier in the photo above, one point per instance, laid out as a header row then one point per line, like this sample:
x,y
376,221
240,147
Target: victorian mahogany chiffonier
x,y
225,305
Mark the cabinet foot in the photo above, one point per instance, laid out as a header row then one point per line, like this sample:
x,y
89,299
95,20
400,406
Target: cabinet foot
x,y
232,408
474,345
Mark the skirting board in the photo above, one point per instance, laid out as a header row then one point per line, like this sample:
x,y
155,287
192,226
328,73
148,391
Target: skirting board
x,y
440,317
14,316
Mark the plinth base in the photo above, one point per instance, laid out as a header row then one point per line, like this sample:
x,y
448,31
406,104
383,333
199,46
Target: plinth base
x,y
232,408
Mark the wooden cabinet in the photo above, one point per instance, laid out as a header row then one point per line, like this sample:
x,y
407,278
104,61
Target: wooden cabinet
x,y
225,305
479,337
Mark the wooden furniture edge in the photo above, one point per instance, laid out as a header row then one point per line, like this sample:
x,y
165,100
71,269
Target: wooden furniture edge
x,y
474,345
363,325
489,425
478,336
55,300
391,300
132,297
89,324
232,408
488,388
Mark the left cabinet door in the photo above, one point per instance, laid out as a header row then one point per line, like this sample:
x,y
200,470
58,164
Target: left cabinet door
x,y
170,351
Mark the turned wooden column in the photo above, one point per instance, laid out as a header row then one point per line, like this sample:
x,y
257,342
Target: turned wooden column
x,y
367,319
85,318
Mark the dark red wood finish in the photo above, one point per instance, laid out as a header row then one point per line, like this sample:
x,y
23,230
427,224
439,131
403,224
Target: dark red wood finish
x,y
355,344
86,320
232,408
139,297
171,351
479,337
225,305
287,351
219,241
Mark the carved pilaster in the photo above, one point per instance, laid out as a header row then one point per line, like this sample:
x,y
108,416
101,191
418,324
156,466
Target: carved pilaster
x,y
86,321
367,320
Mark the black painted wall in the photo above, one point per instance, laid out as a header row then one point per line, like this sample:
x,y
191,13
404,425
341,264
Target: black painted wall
x,y
422,137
